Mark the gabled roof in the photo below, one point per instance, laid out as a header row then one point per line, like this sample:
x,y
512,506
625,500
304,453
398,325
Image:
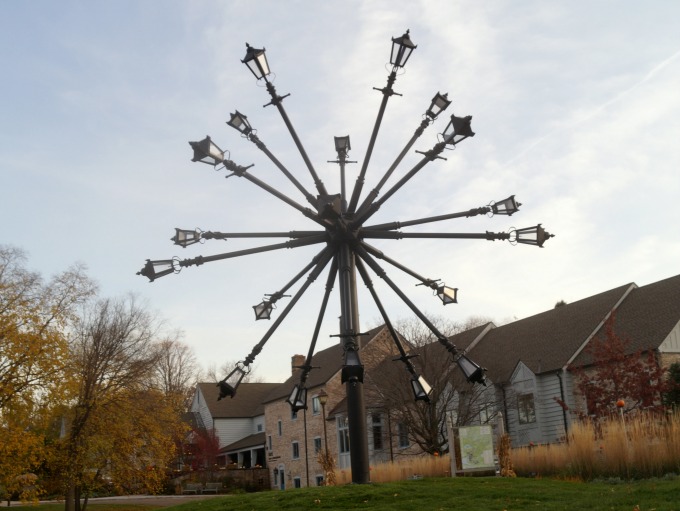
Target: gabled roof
x,y
544,342
247,403
646,317
326,364
254,440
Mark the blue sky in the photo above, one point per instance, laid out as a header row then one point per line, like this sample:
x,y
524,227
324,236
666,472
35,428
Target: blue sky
x,y
575,105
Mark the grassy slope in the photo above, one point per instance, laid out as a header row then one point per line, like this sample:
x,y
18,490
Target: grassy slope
x,y
478,494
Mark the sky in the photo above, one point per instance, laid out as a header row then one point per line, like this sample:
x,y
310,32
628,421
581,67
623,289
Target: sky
x,y
575,106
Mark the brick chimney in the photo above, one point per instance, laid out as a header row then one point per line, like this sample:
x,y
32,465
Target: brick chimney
x,y
295,362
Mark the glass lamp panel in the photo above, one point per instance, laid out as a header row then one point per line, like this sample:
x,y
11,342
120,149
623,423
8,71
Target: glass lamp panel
x,y
402,47
240,122
421,389
206,151
473,372
447,294
458,128
532,236
342,144
505,207
298,398
184,238
256,60
263,310
353,370
439,104
155,269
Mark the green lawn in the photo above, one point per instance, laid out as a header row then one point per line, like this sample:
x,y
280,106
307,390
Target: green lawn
x,y
469,494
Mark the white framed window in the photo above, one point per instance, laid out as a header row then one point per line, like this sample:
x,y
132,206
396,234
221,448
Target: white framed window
x,y
343,435
297,482
377,429
317,444
402,432
296,450
316,405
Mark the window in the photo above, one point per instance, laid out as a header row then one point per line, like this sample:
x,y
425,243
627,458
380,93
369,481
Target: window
x,y
526,412
484,415
343,435
377,431
296,450
317,444
280,428
316,406
269,443
319,480
402,431
259,428
293,414
297,482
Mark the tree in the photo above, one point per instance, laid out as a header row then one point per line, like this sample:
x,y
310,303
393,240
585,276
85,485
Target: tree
x,y
672,390
176,372
120,426
34,316
617,372
33,319
426,422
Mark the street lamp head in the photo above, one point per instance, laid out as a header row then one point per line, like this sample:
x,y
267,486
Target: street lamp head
x,y
256,60
505,207
155,269
447,294
206,151
263,310
439,103
323,397
342,145
421,389
231,382
531,236
458,129
402,47
353,369
298,398
240,123
184,238
472,371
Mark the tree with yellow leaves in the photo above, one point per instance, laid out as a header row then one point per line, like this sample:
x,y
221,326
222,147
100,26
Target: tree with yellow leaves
x,y
33,354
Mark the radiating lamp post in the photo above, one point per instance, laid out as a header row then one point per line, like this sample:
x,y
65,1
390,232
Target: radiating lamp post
x,y
343,231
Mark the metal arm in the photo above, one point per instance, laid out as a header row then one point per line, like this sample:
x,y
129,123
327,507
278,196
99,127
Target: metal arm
x,y
280,293
260,145
330,282
397,235
374,193
428,156
361,252
241,172
278,102
406,359
377,253
326,256
462,214
387,92
309,240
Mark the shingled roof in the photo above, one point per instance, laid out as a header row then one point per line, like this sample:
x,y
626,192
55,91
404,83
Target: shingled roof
x,y
544,342
247,403
646,317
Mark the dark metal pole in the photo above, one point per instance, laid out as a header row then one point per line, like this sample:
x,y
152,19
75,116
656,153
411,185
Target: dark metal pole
x,y
349,324
304,415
